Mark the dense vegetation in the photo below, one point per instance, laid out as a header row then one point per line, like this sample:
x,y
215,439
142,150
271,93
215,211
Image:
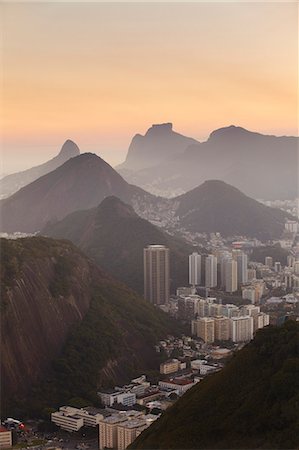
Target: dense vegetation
x,y
119,329
114,237
252,403
111,344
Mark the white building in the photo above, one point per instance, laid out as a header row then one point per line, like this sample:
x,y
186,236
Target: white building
x,y
211,271
241,328
67,420
111,396
231,275
195,269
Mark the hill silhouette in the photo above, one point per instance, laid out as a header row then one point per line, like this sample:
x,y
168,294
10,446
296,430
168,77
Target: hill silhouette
x,y
251,404
114,236
13,182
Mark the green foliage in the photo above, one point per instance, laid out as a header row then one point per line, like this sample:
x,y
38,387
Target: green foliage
x,y
61,283
252,403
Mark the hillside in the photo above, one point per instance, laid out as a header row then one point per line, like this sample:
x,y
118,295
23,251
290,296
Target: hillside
x,y
250,161
251,403
114,236
276,252
80,183
67,327
217,206
158,144
13,182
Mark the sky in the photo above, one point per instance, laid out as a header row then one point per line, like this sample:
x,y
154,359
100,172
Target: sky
x,y
98,73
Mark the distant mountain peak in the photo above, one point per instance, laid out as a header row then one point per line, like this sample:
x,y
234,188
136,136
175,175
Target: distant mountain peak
x,y
230,132
159,143
159,128
69,149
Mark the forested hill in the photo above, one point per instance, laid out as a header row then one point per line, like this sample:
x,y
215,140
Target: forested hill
x,y
253,403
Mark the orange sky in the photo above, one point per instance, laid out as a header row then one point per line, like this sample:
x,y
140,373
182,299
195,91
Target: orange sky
x,y
100,72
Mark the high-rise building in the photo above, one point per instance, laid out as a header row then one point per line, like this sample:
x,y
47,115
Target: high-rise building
x,y
195,269
277,267
241,328
204,328
156,274
211,271
242,262
222,328
231,275
269,261
251,274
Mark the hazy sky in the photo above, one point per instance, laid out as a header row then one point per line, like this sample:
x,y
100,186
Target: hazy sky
x,y
100,72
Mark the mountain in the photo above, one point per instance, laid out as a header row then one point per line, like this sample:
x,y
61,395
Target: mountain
x,y
114,236
68,328
12,183
216,206
158,144
251,403
261,166
80,183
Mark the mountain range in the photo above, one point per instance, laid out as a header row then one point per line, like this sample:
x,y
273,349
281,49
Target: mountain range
x,y
262,166
114,236
158,145
13,182
80,183
67,327
252,403
84,181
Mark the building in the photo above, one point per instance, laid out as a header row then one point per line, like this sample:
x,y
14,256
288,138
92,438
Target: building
x,y
170,366
260,320
127,432
231,275
248,293
211,271
195,269
222,328
277,267
251,274
108,430
269,261
110,396
67,420
156,274
241,328
205,329
5,437
242,262
177,384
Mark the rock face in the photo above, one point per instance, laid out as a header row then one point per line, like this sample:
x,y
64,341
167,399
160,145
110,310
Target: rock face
x,y
158,144
80,183
67,328
34,322
11,183
262,166
259,385
114,236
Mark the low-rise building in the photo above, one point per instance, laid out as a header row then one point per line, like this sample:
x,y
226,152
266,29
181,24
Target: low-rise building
x,y
5,437
110,396
178,384
67,421
170,366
